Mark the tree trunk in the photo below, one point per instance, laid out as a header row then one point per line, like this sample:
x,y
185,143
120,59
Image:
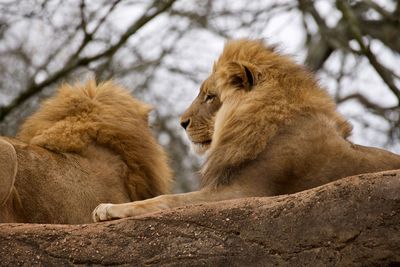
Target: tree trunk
x,y
352,222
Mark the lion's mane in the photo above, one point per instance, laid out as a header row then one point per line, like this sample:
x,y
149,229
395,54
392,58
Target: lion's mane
x,y
249,119
106,115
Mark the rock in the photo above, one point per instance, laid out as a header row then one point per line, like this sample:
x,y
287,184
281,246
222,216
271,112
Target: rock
x,y
351,222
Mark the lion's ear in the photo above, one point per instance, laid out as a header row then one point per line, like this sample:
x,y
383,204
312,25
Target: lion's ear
x,y
242,75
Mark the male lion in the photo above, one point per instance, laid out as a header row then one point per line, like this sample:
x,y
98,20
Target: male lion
x,y
267,128
86,145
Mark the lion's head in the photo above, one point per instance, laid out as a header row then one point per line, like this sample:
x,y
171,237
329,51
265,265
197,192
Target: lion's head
x,y
198,120
251,92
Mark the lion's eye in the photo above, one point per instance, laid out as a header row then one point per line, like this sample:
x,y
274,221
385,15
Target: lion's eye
x,y
209,98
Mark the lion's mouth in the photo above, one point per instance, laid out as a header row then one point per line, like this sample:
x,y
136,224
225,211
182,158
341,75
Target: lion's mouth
x,y
203,143
201,147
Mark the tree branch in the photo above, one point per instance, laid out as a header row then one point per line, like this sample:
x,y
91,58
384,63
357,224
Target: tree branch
x,y
154,10
367,103
385,74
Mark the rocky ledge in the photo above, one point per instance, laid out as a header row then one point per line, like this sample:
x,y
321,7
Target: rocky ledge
x,y
351,222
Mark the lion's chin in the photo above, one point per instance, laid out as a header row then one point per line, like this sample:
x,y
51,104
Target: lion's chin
x,y
201,148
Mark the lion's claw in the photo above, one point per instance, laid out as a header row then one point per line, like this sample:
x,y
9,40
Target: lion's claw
x,y
101,213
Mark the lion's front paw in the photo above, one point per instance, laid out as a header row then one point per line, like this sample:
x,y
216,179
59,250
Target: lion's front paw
x,y
101,213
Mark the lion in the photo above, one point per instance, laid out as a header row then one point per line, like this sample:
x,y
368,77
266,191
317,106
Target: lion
x,y
266,128
86,145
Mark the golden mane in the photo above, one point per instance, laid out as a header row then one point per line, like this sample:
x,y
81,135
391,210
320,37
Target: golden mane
x,y
248,120
105,114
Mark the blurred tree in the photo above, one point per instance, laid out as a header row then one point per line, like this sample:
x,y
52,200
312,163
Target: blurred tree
x,y
162,50
361,25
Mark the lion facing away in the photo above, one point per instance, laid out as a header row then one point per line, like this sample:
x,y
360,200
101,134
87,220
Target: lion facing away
x,y
267,128
86,145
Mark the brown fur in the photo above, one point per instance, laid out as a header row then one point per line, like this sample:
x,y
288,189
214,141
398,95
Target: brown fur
x,y
88,144
267,128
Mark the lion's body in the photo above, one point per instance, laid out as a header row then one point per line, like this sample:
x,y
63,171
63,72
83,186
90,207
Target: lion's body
x,y
307,153
87,145
267,128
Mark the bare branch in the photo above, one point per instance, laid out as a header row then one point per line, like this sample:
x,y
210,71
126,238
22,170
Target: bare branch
x,y
355,30
154,10
103,19
321,45
88,36
366,103
386,14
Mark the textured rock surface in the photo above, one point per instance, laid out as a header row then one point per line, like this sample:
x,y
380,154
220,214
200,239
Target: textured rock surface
x,y
351,222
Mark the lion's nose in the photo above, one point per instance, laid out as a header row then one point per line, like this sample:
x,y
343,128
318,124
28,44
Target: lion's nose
x,y
185,123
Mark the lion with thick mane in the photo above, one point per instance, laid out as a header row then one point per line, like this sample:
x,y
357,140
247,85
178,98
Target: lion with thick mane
x,y
86,145
267,128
